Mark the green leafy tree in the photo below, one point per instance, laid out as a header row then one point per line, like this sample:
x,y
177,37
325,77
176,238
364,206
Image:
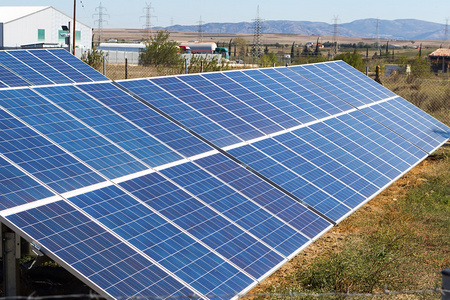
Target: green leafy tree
x,y
241,45
267,60
160,51
352,58
93,57
420,67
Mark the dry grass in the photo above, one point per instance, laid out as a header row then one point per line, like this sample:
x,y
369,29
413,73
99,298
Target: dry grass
x,y
399,240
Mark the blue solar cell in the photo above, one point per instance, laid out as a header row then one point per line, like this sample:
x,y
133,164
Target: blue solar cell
x,y
10,79
322,159
336,86
315,100
278,95
253,112
108,123
181,112
61,65
89,249
176,251
207,105
245,103
23,70
78,64
17,188
70,134
204,223
146,118
41,158
359,78
236,207
290,181
264,194
40,66
311,172
370,93
404,121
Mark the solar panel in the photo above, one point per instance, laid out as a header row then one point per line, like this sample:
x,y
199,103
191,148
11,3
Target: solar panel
x,y
195,185
44,67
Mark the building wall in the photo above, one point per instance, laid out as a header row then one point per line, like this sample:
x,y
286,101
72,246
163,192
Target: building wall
x,y
29,30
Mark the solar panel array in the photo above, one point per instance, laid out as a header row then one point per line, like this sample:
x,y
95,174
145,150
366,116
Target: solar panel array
x,y
200,184
19,68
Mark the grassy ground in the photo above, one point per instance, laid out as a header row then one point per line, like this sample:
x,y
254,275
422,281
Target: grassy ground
x,y
398,241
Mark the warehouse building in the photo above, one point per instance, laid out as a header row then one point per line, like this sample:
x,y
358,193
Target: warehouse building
x,y
39,26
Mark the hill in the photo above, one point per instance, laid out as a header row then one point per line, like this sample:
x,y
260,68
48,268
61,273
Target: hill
x,y
407,29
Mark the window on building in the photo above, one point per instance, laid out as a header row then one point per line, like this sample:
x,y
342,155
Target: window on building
x,y
41,35
77,35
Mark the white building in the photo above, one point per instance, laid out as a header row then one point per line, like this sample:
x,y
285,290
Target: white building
x,y
40,26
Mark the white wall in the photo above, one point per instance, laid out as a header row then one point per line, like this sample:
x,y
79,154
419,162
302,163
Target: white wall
x,y
24,31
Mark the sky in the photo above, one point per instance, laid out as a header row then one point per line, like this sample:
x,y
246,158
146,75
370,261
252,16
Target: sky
x,y
132,13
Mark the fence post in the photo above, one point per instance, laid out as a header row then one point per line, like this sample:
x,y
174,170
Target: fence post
x,y
126,67
201,66
377,76
185,65
104,65
446,284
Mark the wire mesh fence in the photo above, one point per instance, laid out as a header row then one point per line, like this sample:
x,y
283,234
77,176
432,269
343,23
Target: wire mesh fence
x,y
431,95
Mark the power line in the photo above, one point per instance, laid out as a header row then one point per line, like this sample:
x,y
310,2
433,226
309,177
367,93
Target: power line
x,y
101,13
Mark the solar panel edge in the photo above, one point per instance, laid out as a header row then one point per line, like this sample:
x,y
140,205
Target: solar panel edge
x,y
383,188
54,257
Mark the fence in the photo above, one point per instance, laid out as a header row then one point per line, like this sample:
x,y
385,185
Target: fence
x,y
431,95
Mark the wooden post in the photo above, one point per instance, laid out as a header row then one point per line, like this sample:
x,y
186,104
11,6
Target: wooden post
x,y
126,67
377,76
104,65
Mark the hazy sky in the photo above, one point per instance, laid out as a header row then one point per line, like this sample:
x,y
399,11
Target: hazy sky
x,y
131,13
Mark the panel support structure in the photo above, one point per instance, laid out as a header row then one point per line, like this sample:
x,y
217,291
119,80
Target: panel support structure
x,y
11,255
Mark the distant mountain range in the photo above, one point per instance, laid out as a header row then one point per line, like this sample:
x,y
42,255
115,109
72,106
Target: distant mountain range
x,y
405,29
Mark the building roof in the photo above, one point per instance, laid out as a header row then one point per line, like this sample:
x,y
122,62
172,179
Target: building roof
x,y
440,53
11,13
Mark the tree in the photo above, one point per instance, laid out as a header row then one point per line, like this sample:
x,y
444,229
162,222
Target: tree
x,y
268,60
93,57
241,44
420,67
160,51
352,58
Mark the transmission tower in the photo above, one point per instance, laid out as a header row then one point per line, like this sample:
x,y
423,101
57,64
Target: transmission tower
x,y
335,35
378,34
148,19
257,47
200,30
100,15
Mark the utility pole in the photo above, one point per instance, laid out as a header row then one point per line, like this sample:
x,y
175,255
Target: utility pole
x,y
148,19
74,22
257,36
378,34
100,20
200,30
